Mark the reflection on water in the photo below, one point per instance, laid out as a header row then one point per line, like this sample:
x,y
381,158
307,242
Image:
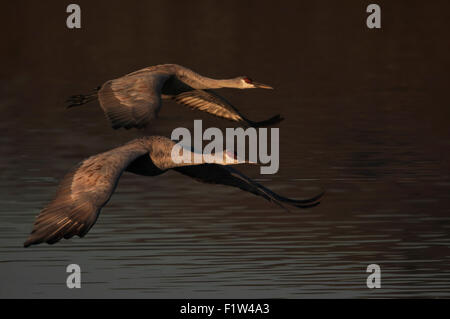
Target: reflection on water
x,y
369,134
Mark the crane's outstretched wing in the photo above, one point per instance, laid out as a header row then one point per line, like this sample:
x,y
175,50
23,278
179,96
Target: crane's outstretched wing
x,y
132,100
81,195
226,175
210,102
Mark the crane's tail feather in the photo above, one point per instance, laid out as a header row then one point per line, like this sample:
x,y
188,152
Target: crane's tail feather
x,y
272,121
80,99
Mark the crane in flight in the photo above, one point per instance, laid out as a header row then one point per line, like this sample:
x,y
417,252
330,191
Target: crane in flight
x,y
88,187
131,101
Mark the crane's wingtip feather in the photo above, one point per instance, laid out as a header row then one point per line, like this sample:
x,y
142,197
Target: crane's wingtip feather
x,y
269,122
30,241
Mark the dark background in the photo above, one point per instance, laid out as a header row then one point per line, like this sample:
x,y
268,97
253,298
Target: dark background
x,y
366,118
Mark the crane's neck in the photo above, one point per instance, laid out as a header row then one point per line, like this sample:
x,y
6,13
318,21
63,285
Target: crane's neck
x,y
166,154
208,83
200,82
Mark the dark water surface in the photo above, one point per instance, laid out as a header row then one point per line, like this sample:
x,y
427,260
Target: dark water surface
x,y
367,119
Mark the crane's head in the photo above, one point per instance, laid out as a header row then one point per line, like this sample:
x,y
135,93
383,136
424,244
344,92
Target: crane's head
x,y
247,83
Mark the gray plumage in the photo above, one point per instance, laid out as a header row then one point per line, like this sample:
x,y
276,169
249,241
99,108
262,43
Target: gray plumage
x,y
135,99
88,187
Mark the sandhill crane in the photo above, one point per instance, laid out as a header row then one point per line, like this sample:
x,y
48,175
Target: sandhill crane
x,y
88,187
134,99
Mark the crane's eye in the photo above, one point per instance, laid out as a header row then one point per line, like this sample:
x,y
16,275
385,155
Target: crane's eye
x,y
248,80
231,154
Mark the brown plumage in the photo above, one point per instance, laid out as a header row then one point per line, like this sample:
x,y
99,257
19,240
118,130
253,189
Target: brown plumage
x,y
135,99
88,187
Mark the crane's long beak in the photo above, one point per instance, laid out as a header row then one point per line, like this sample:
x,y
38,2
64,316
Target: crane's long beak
x,y
262,86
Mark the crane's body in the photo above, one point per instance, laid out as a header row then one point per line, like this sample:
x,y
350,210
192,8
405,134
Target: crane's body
x,y
89,185
135,99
